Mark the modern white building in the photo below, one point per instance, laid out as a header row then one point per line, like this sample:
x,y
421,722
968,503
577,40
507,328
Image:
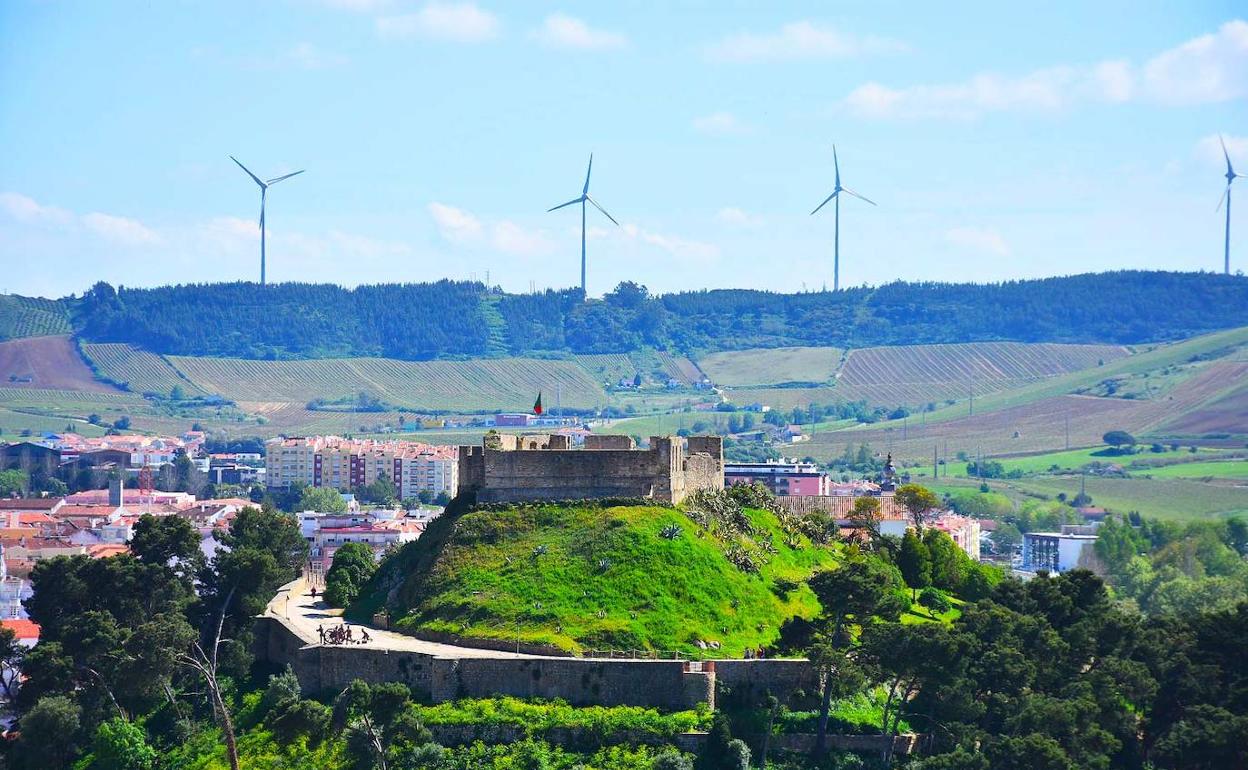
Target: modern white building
x,y
1056,551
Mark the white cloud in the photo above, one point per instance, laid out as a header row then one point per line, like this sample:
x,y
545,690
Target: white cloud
x,y
978,239
457,22
120,229
1210,68
25,209
455,225
800,40
511,238
310,57
674,245
719,123
562,31
358,6
1210,150
732,215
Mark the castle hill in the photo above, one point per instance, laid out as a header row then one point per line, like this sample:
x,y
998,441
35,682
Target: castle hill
x,y
470,385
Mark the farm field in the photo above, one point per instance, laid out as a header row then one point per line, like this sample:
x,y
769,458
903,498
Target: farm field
x,y
31,317
456,386
784,399
914,375
679,368
142,371
1179,499
46,362
13,423
772,366
666,424
607,367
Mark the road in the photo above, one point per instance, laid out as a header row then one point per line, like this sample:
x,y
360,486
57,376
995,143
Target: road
x,y
294,604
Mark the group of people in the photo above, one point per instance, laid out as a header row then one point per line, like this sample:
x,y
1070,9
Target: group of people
x,y
342,635
758,654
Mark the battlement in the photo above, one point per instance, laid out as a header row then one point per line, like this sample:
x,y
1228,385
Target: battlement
x,y
516,468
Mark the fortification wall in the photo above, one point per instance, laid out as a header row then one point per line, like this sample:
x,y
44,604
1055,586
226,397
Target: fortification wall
x,y
579,681
787,679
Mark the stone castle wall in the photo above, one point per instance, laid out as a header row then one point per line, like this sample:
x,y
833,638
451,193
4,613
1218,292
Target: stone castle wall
x,y
838,506
544,468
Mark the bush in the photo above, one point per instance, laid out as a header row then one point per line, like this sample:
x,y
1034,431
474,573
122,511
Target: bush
x,y
935,600
301,718
671,759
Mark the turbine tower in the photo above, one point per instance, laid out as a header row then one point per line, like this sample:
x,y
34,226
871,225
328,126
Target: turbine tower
x,y
1231,176
836,238
264,189
582,200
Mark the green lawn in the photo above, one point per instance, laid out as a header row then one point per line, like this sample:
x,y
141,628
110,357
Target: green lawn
x,y
1169,498
1214,469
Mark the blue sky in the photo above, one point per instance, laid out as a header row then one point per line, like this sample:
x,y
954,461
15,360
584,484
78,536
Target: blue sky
x,y
1000,141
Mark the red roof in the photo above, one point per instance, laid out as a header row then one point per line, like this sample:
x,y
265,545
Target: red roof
x,y
29,504
22,628
105,550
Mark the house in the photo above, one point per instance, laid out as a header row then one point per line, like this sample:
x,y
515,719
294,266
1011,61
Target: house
x,y
1057,551
30,457
793,434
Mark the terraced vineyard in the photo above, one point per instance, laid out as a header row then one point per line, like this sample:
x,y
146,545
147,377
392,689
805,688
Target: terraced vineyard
x,y
143,372
607,367
680,368
31,317
771,367
480,385
918,374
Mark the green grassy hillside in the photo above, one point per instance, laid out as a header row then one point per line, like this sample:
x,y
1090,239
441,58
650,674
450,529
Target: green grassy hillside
x,y
587,577
31,317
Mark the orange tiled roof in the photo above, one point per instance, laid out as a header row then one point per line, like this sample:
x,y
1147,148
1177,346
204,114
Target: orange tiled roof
x,y
23,628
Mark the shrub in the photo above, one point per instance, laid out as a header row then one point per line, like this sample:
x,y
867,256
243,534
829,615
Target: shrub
x,y
301,718
935,600
671,759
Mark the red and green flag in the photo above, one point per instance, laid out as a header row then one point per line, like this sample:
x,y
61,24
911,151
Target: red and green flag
x,y
537,405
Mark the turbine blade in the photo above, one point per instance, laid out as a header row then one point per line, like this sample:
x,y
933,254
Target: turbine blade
x,y
280,178
600,208
244,168
262,215
1225,193
588,171
825,202
569,203
1227,155
837,165
859,197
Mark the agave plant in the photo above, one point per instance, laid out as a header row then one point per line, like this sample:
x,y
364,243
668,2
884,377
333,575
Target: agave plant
x,y
670,532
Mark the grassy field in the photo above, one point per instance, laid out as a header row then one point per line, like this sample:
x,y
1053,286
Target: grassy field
x,y
771,367
1213,469
596,578
31,317
1167,498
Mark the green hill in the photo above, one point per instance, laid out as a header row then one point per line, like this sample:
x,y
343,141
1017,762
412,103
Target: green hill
x,y
594,577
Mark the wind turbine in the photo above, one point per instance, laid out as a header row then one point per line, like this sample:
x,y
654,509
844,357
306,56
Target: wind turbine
x,y
1226,196
264,189
582,200
836,194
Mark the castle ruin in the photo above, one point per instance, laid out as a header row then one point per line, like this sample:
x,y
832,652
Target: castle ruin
x,y
518,468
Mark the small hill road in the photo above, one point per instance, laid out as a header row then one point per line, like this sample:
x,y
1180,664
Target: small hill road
x,y
294,605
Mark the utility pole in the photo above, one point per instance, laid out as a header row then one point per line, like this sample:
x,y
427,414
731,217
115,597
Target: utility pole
x,y
1067,418
935,464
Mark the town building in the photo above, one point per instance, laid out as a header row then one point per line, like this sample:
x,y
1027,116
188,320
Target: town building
x,y
30,457
782,477
1057,551
345,464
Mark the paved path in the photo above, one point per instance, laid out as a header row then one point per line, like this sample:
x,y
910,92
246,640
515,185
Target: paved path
x,y
295,605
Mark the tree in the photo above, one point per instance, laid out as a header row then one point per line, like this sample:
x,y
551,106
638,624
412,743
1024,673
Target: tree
x,y
378,723
13,483
1006,538
49,733
919,502
121,745
167,540
380,492
11,654
915,562
1118,439
353,565
122,423
855,594
866,516
321,500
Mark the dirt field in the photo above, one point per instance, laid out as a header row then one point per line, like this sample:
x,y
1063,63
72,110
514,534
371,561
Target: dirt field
x,y
46,362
